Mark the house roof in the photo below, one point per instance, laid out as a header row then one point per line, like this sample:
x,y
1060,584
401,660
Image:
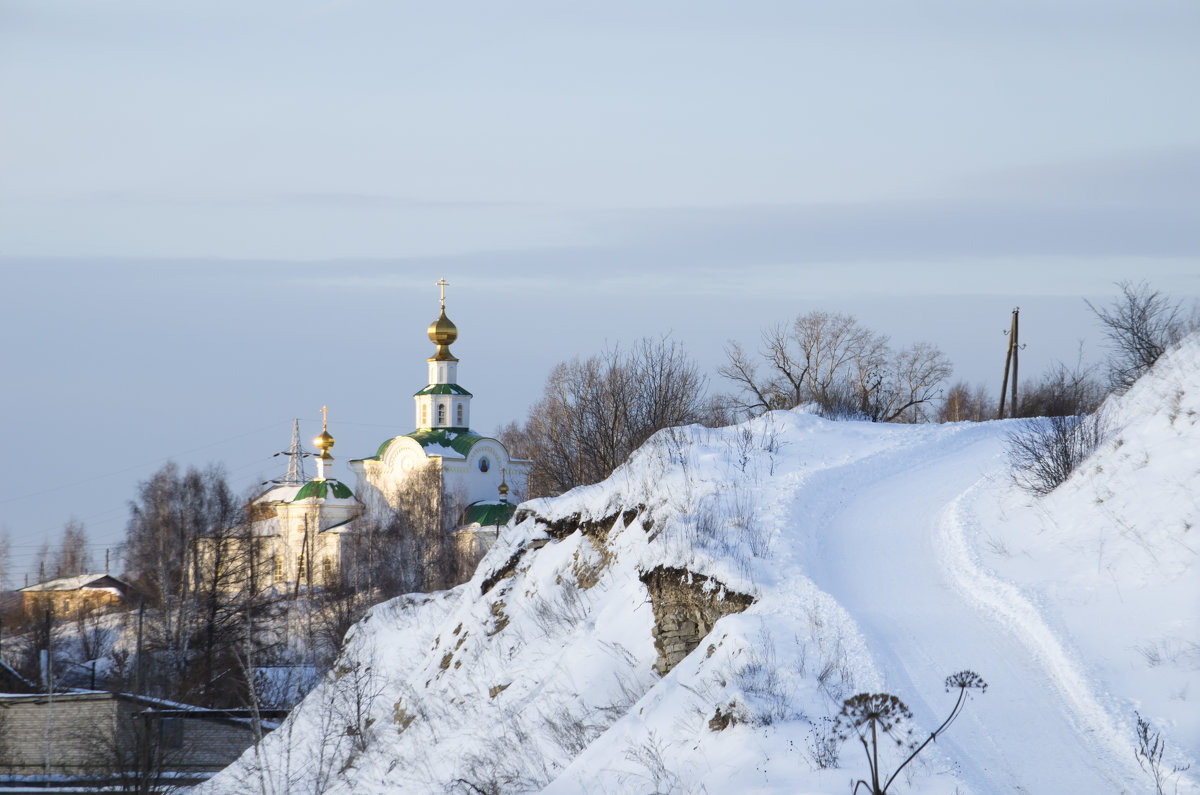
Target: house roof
x,y
78,583
13,682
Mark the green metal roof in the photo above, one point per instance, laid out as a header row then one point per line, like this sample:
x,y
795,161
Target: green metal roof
x,y
488,513
383,447
461,441
443,389
321,489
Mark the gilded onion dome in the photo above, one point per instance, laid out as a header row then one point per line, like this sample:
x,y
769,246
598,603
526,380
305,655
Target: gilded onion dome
x,y
442,333
324,442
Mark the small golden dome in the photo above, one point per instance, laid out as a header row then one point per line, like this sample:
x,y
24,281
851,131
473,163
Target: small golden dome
x,y
442,333
324,443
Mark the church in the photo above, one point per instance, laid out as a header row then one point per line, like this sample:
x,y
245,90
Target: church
x,y
304,528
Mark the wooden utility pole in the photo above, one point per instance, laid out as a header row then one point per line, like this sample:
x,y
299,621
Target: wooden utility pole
x,y
137,677
1010,364
1016,351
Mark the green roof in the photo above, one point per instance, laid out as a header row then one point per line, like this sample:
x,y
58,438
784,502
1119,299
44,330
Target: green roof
x,y
383,447
443,389
488,513
461,441
321,489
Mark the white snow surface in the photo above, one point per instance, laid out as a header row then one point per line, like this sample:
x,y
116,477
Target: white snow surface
x,y
880,558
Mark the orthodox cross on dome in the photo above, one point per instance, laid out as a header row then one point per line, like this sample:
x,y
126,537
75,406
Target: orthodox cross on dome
x,y
324,442
443,284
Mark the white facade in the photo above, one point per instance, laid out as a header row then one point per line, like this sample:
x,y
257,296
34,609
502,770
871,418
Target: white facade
x,y
302,543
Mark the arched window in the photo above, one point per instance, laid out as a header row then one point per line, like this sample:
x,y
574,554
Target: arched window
x,y
460,413
424,415
278,568
441,414
300,566
327,570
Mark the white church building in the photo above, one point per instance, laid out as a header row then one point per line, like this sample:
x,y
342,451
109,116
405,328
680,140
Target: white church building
x,y
473,467
304,525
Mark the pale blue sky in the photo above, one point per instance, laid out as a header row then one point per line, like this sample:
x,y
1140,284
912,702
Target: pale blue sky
x,y
217,216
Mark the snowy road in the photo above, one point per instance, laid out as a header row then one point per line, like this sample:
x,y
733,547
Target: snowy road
x,y
894,550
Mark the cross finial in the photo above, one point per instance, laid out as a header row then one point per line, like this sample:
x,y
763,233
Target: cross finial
x,y
324,417
443,284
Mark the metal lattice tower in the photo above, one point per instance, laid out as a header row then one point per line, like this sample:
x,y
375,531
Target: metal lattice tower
x,y
296,455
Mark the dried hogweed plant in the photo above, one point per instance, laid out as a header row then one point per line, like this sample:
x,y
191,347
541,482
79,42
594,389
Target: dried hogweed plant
x,y
876,718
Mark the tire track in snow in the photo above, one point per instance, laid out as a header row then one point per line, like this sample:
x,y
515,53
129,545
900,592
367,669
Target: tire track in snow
x,y
1024,736
1004,603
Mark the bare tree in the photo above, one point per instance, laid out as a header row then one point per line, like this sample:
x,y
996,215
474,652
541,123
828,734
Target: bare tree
x,y
964,404
410,546
594,412
906,383
72,556
189,548
5,556
1141,324
841,366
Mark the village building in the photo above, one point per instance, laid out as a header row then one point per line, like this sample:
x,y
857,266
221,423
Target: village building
x,y
98,740
70,597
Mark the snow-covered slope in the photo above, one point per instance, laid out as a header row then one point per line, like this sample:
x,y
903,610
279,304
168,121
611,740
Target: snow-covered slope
x,y
833,558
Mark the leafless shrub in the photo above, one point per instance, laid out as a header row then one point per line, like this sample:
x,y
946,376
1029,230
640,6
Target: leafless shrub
x,y
761,680
509,762
357,686
1141,325
572,731
824,747
1046,450
649,756
1062,392
560,610
1149,754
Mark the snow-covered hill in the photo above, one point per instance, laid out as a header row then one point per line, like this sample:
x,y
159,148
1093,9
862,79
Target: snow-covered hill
x,y
687,625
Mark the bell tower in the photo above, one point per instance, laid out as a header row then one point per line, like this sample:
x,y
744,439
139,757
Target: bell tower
x,y
443,404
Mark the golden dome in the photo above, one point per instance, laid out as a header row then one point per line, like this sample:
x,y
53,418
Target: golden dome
x,y
324,443
442,333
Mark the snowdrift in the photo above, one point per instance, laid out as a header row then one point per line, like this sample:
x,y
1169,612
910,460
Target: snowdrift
x,y
690,624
